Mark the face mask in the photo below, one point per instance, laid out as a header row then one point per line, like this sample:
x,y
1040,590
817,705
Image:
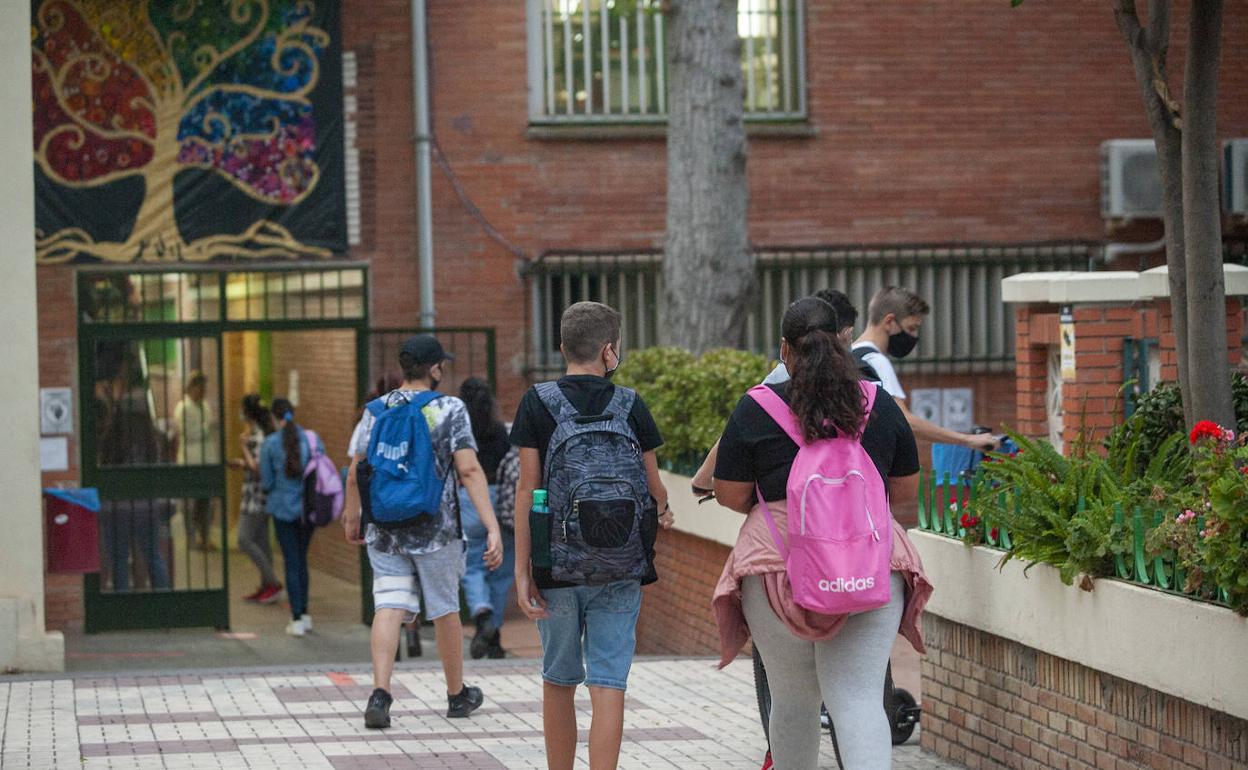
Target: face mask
x,y
434,382
609,373
901,343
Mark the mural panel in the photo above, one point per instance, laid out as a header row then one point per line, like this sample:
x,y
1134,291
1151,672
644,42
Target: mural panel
x,y
187,130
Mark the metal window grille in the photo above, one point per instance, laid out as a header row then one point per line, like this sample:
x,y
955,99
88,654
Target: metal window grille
x,y
969,329
604,60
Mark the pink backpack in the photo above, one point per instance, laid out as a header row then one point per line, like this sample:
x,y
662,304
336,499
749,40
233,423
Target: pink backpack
x,y
840,548
322,486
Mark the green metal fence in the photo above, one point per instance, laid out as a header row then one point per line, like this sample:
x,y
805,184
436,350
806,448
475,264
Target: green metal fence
x,y
938,515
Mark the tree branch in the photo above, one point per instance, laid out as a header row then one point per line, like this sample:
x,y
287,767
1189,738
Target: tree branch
x,y
57,80
209,58
1149,69
1159,32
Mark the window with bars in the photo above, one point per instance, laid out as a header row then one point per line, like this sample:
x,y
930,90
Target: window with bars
x,y
605,61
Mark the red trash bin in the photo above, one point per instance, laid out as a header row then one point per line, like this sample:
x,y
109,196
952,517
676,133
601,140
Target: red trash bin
x,y
72,524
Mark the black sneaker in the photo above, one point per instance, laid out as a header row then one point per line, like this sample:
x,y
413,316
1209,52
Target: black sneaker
x,y
480,644
377,713
468,701
495,649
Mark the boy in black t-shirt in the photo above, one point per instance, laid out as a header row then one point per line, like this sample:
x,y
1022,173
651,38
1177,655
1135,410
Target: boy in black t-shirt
x,y
581,624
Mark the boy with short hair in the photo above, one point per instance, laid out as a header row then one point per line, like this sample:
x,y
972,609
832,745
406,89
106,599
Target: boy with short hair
x,y
429,546
894,317
588,628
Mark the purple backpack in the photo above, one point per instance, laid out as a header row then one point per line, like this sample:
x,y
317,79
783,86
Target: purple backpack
x,y
322,486
840,548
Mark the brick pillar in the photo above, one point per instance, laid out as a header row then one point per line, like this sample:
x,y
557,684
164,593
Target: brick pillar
x,y
1093,402
1165,329
1031,370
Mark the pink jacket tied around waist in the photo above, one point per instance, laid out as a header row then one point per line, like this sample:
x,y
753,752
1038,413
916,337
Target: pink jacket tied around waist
x,y
757,553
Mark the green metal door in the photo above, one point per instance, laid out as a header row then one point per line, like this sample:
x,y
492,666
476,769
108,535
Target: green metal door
x,y
151,383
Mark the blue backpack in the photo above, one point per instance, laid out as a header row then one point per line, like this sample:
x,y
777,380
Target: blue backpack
x,y
401,477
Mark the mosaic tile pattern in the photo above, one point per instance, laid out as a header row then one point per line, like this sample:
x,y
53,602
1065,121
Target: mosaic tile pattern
x,y
681,714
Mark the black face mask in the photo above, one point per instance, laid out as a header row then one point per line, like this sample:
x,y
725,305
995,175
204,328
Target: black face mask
x,y
609,373
901,343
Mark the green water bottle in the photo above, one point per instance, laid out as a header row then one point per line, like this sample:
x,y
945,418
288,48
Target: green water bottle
x,y
539,530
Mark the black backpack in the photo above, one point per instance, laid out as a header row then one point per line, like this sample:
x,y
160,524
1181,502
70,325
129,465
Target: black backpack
x,y
867,370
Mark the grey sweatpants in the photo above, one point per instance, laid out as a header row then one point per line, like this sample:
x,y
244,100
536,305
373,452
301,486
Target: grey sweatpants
x,y
847,672
253,540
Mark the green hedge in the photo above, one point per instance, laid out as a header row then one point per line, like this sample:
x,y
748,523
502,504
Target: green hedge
x,y
691,397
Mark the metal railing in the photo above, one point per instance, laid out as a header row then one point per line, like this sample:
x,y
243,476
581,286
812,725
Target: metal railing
x,y
969,329
937,515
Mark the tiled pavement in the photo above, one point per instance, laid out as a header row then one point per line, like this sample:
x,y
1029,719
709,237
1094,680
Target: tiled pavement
x,y
681,714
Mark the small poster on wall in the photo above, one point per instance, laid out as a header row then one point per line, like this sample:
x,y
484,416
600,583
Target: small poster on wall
x,y
1066,331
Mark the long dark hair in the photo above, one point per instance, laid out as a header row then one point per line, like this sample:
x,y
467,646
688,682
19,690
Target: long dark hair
x,y
482,410
254,410
824,391
284,410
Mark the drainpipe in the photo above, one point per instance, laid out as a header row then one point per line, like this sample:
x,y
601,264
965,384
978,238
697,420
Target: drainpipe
x,y
1111,251
424,198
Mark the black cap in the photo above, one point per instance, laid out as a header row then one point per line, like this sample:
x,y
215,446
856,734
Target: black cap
x,y
424,349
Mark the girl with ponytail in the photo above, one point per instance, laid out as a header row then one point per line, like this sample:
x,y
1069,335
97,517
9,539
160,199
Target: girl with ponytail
x,y
283,456
809,656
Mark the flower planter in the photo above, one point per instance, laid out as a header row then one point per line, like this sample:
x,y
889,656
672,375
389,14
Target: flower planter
x,y
1022,666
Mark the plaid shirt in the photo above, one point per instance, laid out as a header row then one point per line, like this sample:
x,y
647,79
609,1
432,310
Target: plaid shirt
x,y
253,491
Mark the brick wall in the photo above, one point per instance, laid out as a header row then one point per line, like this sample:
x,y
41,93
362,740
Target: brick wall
x,y
676,611
991,703
325,361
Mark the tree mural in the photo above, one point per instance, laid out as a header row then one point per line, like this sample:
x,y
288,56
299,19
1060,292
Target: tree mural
x,y
127,88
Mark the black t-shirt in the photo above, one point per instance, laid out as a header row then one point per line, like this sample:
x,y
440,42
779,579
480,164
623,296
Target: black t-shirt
x,y
492,447
756,449
534,427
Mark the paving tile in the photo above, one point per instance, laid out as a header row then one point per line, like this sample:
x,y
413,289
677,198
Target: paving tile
x,y
681,713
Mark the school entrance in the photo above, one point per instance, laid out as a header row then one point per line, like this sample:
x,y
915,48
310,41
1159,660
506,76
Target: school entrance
x,y
165,358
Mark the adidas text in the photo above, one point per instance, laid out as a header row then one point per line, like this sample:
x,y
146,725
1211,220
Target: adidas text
x,y
846,585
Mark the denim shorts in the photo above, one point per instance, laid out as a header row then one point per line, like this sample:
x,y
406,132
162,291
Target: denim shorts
x,y
591,634
395,580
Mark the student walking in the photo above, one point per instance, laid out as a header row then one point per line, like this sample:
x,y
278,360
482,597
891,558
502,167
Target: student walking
x,y
832,652
415,448
486,590
588,445
253,519
894,318
195,430
283,457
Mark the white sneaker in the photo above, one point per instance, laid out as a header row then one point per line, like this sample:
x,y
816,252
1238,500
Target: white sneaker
x,y
296,628
306,620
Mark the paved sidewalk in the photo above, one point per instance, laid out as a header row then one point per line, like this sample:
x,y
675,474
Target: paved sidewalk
x,y
681,714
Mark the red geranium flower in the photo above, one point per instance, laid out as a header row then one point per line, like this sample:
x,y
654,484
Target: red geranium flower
x,y
995,533
1205,429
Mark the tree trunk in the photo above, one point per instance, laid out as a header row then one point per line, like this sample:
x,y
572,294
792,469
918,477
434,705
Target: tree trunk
x,y
155,237
1148,60
708,267
1202,219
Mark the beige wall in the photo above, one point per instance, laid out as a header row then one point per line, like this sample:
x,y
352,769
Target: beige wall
x,y
24,643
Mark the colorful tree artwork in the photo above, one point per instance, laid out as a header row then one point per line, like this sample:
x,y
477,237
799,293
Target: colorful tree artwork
x,y
149,88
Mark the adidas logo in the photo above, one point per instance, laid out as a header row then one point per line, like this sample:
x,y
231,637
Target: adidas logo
x,y
846,585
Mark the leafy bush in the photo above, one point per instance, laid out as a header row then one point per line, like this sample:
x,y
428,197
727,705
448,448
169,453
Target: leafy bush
x,y
691,398
1206,529
1060,510
1159,415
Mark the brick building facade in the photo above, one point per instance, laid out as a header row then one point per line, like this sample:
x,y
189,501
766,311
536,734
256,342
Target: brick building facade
x,y
926,124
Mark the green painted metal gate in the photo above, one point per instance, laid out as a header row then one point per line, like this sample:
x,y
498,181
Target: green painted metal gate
x,y
151,378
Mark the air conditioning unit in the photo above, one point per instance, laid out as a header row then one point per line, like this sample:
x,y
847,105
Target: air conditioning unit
x,y
1130,180
1235,174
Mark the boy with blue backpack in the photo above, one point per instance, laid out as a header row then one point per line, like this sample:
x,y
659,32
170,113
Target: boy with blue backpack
x,y
416,449
586,448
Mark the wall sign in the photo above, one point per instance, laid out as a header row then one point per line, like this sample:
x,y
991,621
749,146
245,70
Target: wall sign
x,y
56,411
1066,331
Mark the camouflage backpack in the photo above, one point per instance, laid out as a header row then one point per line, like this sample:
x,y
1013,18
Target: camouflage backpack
x,y
596,481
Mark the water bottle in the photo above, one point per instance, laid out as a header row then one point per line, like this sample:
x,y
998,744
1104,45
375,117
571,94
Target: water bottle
x,y
539,530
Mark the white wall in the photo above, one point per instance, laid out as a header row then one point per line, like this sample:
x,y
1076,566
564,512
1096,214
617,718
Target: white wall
x,y
23,642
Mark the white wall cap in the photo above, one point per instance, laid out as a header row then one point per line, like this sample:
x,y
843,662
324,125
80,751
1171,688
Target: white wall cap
x,y
1156,282
1072,287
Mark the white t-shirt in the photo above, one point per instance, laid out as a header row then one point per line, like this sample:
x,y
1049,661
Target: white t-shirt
x,y
883,367
196,424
